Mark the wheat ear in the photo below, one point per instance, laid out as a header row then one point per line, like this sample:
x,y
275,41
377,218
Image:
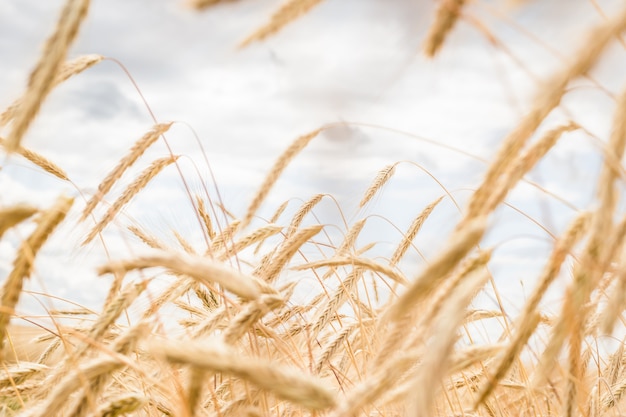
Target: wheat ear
x,y
203,4
39,160
544,103
279,166
287,250
461,242
135,187
288,12
302,212
43,76
71,383
206,219
69,69
414,229
448,13
357,262
12,216
121,405
287,383
126,162
203,270
23,264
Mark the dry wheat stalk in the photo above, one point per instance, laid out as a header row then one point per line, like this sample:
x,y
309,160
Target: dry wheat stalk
x,y
524,164
288,12
279,166
597,253
203,270
414,228
396,338
43,76
14,215
381,179
562,248
607,192
249,315
69,69
376,385
447,14
302,212
135,187
151,241
23,263
39,160
121,405
123,345
444,330
18,374
473,354
347,244
203,4
287,383
126,162
286,251
507,356
545,102
326,313
462,241
279,211
257,235
195,389
616,302
357,262
331,347
206,219
226,235
611,398
183,243
72,382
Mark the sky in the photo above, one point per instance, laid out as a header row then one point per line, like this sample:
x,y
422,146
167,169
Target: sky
x,y
356,62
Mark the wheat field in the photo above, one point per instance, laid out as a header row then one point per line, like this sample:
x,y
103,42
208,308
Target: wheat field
x,y
222,327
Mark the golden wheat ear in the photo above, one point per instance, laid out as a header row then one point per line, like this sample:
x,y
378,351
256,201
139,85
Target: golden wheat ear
x,y
12,216
287,13
25,259
43,77
122,166
447,15
67,70
279,166
133,189
205,4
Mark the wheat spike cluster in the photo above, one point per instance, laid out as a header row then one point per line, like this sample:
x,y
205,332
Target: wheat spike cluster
x,y
228,334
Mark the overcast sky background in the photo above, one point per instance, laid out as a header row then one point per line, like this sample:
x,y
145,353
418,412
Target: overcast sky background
x,y
347,60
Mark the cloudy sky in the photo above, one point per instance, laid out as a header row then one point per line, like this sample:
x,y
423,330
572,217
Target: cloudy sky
x,y
353,61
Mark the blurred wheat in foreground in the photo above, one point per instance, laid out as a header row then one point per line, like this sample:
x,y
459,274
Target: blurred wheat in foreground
x,y
227,337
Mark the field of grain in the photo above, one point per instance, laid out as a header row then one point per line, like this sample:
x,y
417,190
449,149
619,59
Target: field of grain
x,y
268,315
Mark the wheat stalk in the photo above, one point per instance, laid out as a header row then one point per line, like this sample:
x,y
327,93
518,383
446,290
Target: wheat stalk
x,y
43,76
288,12
434,273
357,262
203,270
67,70
549,98
287,383
23,263
279,166
126,162
39,160
133,189
14,215
447,14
